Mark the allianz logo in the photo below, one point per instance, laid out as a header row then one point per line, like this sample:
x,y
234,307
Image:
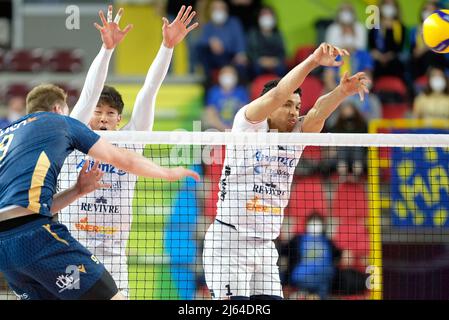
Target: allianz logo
x,y
106,168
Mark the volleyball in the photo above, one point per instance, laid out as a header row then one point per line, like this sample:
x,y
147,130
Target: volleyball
x,y
436,31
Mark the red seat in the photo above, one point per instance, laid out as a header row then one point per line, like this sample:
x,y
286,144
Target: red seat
x,y
312,89
312,153
307,197
24,60
64,60
390,84
16,90
258,84
350,202
394,110
300,55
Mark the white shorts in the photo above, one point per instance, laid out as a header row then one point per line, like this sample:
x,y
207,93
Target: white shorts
x,y
235,265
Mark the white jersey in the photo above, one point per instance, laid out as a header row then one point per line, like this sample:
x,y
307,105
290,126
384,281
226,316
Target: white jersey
x,y
255,183
101,219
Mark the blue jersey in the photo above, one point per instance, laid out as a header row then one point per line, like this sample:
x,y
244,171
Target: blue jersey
x,y
32,152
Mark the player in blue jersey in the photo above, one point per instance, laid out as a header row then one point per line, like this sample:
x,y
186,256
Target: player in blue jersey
x,y
38,257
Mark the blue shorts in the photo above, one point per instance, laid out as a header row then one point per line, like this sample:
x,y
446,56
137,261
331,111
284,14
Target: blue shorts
x,y
41,260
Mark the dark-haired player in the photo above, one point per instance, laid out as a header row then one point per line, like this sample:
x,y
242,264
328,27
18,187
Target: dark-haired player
x,y
101,220
239,257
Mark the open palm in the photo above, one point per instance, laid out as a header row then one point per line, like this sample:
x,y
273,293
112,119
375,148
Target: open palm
x,y
176,31
111,34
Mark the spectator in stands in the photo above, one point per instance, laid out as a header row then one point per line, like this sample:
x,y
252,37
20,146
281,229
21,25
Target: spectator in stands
x,y
349,159
421,56
434,101
224,100
222,41
246,11
15,110
387,43
266,48
312,259
346,32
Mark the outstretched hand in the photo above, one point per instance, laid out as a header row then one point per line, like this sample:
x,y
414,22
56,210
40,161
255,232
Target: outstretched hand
x,y
173,33
179,173
110,31
89,181
326,54
358,83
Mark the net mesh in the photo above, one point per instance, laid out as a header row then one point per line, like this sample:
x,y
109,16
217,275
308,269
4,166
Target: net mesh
x,y
300,217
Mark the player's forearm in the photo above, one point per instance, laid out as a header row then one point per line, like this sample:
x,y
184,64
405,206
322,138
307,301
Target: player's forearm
x,y
65,198
93,85
322,109
261,108
142,118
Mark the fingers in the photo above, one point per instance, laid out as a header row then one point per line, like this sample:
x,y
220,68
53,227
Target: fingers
x,y
165,21
118,16
99,28
103,19
193,174
186,14
180,13
324,48
110,14
127,29
104,186
85,166
361,94
193,26
189,19
337,63
345,77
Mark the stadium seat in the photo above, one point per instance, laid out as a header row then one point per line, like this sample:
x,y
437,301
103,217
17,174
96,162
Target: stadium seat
x,y
258,84
420,84
24,60
312,153
64,60
16,89
350,201
72,94
394,110
300,55
307,197
312,89
390,89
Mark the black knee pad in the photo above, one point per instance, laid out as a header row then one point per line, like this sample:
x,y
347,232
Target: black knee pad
x,y
104,289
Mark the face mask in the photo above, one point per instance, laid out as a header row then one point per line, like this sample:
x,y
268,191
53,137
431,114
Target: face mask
x,y
227,81
219,16
438,84
426,14
346,17
388,11
315,228
267,22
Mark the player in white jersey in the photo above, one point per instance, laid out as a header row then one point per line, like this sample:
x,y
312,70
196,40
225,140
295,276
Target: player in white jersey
x,y
239,257
102,220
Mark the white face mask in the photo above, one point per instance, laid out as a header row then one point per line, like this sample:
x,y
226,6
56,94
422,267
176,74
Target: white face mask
x,y
227,81
314,227
388,11
346,17
425,14
267,22
219,16
437,84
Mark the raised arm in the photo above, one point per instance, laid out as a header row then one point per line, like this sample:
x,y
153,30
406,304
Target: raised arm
x,y
142,118
262,107
111,36
135,163
325,105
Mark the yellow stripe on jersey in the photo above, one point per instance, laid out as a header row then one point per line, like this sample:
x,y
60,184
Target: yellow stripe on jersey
x,y
54,235
37,181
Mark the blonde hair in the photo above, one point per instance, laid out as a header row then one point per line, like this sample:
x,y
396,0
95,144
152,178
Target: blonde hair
x,y
44,97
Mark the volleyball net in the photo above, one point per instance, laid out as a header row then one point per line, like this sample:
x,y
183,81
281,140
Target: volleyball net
x,y
366,216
